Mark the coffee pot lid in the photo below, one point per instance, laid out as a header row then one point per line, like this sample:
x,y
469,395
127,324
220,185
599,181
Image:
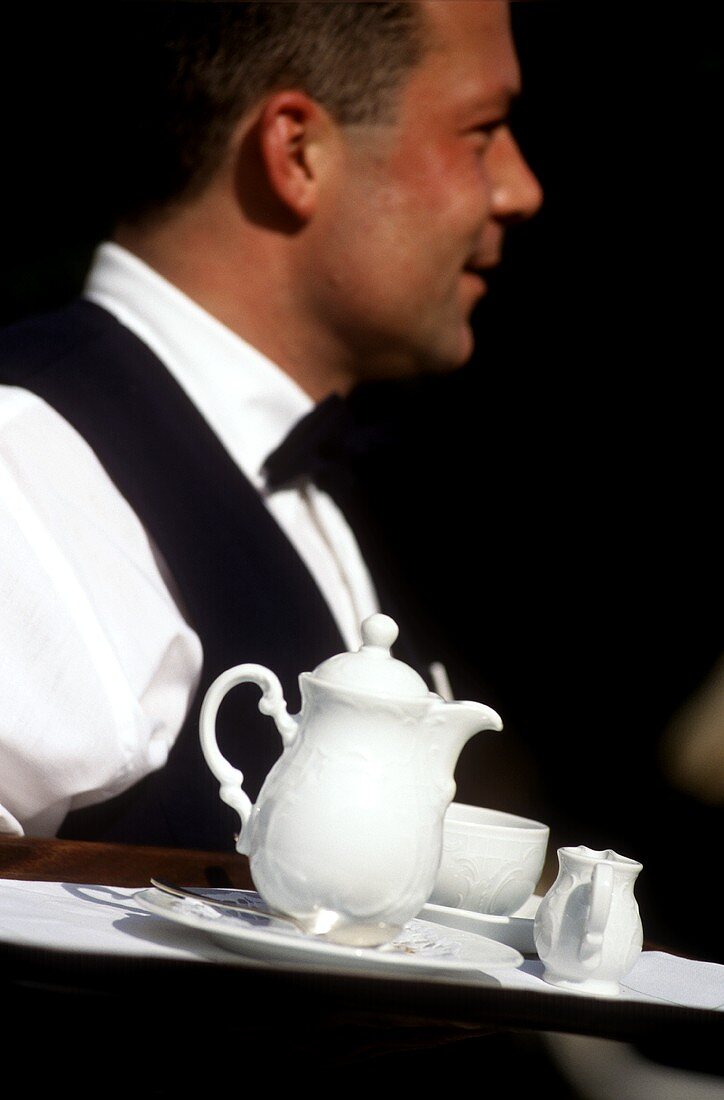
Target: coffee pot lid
x,y
373,668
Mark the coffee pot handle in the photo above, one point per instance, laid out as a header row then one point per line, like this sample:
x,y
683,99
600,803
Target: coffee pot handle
x,y
599,909
271,703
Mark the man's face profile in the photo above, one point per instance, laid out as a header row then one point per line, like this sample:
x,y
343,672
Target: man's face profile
x,y
417,210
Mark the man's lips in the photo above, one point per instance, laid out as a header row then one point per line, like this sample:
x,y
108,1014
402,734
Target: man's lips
x,y
482,263
478,273
475,275
478,267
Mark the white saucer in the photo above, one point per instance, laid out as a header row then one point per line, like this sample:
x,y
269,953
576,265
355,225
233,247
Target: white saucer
x,y
515,931
422,945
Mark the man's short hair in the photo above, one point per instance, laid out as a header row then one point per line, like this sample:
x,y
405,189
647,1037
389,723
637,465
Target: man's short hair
x,y
185,73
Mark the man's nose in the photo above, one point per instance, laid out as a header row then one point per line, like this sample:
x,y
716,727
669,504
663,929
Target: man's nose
x,y
516,192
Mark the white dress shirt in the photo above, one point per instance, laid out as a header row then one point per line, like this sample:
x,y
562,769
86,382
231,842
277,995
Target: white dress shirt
x,y
97,664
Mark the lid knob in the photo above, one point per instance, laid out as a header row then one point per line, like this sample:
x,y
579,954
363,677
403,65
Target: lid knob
x,y
373,668
379,632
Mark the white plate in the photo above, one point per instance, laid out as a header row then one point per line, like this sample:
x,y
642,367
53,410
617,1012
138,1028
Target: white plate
x,y
422,945
515,931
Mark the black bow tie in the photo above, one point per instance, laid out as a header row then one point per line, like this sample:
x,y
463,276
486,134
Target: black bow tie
x,y
325,446
314,445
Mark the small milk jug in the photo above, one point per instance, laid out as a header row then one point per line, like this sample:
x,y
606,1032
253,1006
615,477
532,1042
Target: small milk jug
x,y
587,929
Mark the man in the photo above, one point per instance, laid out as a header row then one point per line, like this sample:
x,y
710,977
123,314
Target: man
x,y
315,196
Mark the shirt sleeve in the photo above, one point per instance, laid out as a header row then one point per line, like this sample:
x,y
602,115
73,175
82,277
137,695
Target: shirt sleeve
x,y
97,665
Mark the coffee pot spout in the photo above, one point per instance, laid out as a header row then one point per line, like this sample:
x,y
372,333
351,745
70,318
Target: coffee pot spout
x,y
461,720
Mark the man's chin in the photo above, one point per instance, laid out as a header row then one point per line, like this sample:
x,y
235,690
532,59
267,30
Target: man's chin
x,y
435,357
451,357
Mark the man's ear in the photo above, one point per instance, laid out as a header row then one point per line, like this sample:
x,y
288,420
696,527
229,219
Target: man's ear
x,y
293,134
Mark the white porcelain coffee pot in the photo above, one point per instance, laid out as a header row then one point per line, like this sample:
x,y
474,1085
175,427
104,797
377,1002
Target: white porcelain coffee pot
x,y
588,930
350,817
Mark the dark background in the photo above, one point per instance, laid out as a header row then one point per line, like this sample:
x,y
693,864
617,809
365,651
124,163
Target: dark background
x,y
556,502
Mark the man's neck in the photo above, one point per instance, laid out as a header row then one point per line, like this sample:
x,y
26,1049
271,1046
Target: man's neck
x,y
253,298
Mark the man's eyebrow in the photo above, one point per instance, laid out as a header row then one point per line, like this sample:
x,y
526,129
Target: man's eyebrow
x,y
502,98
491,115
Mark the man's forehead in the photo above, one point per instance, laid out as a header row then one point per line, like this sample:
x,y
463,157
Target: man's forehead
x,y
453,21
471,42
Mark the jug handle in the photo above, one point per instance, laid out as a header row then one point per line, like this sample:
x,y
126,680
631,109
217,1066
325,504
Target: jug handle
x,y
271,703
600,907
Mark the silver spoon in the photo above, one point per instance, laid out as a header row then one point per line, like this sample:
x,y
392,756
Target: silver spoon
x,y
323,923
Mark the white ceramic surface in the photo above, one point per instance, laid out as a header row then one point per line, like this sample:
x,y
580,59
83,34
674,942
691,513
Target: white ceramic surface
x,y
491,861
421,946
588,930
350,817
516,930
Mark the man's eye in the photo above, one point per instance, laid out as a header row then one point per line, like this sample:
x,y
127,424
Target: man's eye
x,y
489,128
481,137
484,133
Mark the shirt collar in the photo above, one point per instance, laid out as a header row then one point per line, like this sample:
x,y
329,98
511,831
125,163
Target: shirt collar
x,y
247,400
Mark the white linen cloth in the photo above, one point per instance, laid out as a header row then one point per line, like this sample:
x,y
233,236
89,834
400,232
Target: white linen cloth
x,y
105,919
97,665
